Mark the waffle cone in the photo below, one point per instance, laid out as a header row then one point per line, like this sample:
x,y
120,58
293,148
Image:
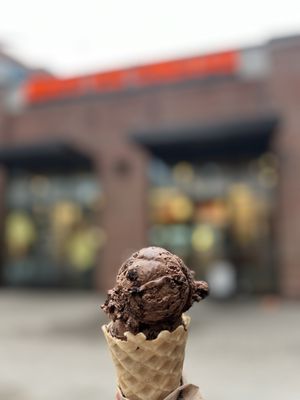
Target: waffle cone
x,y
149,369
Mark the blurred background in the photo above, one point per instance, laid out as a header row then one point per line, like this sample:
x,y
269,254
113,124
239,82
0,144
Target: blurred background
x,y
125,125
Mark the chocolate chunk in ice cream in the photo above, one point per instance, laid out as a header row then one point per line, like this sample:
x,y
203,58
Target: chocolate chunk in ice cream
x,y
153,288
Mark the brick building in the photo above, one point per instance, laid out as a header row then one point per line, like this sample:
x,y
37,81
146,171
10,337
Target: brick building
x,y
227,110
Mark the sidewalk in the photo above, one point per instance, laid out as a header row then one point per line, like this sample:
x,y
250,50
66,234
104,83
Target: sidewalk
x,y
51,348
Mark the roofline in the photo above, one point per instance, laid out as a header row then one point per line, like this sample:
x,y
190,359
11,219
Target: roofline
x,y
45,89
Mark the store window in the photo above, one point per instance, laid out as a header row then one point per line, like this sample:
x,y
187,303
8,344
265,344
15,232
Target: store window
x,y
53,230
218,217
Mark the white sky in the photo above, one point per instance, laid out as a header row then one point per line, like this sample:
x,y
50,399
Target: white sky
x,y
79,36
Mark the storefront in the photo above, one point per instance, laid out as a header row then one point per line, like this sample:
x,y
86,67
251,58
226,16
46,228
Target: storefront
x,y
220,132
52,231
212,202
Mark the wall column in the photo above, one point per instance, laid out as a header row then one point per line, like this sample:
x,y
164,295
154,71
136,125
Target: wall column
x,y
122,172
285,92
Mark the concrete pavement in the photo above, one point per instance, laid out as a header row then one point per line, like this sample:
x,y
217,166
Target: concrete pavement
x,y
51,348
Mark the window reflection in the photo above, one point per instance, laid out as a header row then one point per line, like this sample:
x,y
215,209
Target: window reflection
x,y
53,229
218,214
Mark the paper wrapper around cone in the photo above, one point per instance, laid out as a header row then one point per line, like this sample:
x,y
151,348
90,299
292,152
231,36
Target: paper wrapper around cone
x,y
149,369
186,391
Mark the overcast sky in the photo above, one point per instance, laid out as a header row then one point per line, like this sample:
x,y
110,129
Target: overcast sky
x,y
79,36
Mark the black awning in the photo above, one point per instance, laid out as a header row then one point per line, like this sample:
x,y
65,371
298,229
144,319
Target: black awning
x,y
230,139
43,157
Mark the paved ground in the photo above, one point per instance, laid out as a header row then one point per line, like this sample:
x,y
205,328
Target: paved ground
x,y
51,348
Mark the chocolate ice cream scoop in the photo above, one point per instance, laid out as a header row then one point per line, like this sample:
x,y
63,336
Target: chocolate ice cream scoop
x,y
153,288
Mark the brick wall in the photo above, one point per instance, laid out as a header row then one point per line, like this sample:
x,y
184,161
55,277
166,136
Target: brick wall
x,y
101,128
285,95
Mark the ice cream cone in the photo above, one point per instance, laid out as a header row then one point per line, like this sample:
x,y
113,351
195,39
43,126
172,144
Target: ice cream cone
x,y
149,369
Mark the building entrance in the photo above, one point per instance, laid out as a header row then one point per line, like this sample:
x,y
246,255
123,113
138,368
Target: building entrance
x,y
219,218
52,233
52,229
212,201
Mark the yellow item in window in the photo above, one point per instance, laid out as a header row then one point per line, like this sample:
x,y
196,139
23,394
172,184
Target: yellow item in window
x,y
20,232
64,214
181,208
203,238
83,246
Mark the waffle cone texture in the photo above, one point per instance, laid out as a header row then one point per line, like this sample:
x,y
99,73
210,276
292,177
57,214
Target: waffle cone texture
x,y
149,369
